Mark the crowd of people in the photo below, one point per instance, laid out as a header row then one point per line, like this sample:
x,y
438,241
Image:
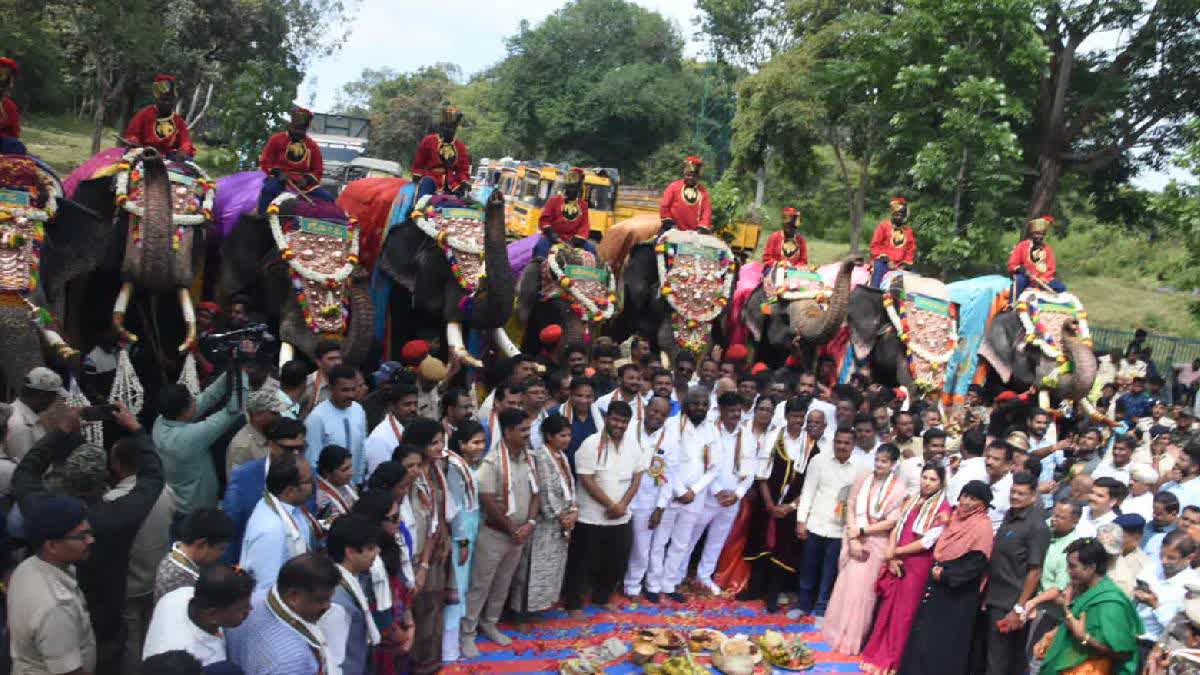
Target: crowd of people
x,y
318,524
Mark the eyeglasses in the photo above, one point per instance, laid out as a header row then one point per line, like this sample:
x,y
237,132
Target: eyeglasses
x,y
291,448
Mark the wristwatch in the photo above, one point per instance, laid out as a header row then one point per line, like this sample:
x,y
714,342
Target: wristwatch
x,y
1019,610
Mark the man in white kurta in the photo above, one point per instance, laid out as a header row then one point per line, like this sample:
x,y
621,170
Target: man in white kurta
x,y
689,487
659,443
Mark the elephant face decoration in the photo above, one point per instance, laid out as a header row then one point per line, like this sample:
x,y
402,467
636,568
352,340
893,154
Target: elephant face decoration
x,y
165,202
696,273
927,325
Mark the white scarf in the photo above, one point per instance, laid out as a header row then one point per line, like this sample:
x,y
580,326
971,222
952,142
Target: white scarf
x,y
179,559
296,542
471,498
312,634
342,501
379,578
562,470
350,583
506,479
862,507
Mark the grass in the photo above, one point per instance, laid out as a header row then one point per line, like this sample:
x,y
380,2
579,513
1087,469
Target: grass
x,y
1130,301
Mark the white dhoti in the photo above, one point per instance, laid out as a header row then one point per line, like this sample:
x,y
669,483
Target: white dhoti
x,y
718,520
677,540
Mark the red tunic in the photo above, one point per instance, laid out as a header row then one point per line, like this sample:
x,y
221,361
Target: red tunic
x,y
10,118
448,164
554,218
884,243
303,159
165,136
774,252
1022,256
693,215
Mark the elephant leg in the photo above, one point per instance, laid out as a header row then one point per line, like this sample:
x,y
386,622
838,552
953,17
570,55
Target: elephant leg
x,y
189,320
119,307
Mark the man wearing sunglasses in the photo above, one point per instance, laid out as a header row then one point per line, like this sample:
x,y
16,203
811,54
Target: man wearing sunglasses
x,y
285,436
50,628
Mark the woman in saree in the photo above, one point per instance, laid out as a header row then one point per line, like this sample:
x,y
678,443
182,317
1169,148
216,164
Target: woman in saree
x,y
335,497
539,575
463,453
909,557
940,639
873,508
388,590
1098,635
432,509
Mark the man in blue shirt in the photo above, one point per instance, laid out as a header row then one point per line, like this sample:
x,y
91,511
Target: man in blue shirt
x,y
581,413
339,421
280,527
285,436
1137,402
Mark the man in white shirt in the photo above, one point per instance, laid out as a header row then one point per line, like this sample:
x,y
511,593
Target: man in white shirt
x,y
1102,502
25,425
733,445
1118,463
340,420
608,467
972,467
660,448
820,521
1187,489
1160,590
280,528
194,618
866,440
629,390
697,470
806,390
998,460
401,409
1142,479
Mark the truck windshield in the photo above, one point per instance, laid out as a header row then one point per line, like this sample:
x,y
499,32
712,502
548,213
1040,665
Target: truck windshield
x,y
339,153
600,197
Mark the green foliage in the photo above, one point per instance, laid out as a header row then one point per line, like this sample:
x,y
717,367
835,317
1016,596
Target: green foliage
x,y
401,105
253,104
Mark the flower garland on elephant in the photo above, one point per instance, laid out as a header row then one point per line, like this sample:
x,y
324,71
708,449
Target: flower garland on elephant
x,y
198,212
304,276
779,289
690,324
1038,333
935,362
584,307
438,225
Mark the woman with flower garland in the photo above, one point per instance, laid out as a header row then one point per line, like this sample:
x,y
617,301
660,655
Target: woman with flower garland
x,y
389,589
539,577
872,511
335,497
465,450
908,559
432,510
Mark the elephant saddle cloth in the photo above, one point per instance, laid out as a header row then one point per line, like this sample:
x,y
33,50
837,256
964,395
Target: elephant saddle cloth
x,y
695,275
582,280
926,322
1045,315
25,191
162,233
320,246
457,228
785,281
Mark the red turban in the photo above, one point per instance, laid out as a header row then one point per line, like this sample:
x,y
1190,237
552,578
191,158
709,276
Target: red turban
x,y
414,352
550,335
6,62
758,368
736,352
693,163
788,212
210,307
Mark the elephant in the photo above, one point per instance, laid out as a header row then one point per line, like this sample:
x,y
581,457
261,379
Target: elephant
x,y
806,321
152,215
313,287
1022,363
572,288
448,255
30,195
876,340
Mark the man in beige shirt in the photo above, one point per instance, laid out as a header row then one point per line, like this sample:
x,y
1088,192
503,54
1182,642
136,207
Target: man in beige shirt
x,y
27,423
50,630
263,407
508,496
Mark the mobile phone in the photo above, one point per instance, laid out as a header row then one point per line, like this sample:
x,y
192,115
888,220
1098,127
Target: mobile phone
x,y
1142,585
98,413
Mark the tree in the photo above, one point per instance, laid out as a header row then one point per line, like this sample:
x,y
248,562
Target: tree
x,y
572,97
401,105
1129,102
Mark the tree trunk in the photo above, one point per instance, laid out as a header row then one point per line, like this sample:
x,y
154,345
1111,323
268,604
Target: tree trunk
x,y
97,123
1045,189
760,186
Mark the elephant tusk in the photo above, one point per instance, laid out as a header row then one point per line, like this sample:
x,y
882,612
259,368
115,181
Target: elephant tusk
x,y
119,307
504,343
189,320
286,353
454,340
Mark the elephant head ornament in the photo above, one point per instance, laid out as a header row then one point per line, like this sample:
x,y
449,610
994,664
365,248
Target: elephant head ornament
x,y
572,287
796,305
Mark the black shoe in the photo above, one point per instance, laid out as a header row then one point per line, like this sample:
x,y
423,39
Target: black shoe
x,y
651,596
772,603
677,596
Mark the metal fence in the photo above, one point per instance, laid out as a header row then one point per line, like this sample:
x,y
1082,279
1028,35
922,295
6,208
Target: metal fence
x,y
1166,351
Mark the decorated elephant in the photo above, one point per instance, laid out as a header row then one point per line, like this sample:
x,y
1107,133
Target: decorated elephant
x,y
153,215
907,331
301,262
571,287
1043,341
796,306
29,196
449,254
677,288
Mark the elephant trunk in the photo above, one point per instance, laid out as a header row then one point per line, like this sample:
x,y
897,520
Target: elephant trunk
x,y
361,330
574,327
494,305
154,273
1085,364
814,326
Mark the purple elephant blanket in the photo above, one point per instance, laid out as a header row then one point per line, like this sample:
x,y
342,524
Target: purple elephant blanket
x,y
88,169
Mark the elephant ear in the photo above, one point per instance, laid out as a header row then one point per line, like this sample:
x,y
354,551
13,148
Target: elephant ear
x,y
527,290
752,314
81,238
244,254
1001,343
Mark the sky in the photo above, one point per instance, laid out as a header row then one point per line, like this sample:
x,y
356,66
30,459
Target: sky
x,y
405,35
